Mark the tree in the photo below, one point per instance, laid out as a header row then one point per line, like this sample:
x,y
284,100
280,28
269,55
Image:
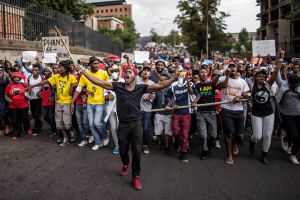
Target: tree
x,y
295,13
125,39
245,40
192,22
76,9
154,35
170,38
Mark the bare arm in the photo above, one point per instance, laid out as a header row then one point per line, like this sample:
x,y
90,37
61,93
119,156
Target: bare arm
x,y
161,85
190,88
104,84
278,65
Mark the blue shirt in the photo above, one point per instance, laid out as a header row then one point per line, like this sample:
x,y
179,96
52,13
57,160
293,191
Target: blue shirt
x,y
180,96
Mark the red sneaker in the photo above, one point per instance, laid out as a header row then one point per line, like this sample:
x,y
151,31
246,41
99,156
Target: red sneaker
x,y
125,168
29,132
136,183
14,138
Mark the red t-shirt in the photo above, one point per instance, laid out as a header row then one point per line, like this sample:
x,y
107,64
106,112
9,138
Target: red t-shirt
x,y
17,95
218,98
46,94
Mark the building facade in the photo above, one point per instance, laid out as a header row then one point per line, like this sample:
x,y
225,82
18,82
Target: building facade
x,y
274,25
110,8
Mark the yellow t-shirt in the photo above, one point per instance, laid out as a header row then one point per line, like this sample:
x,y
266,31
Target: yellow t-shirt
x,y
63,86
98,97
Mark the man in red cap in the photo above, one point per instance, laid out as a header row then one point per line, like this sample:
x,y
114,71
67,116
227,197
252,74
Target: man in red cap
x,y
128,107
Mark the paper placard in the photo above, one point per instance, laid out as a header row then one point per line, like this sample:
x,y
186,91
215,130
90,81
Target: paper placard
x,y
130,55
29,56
141,56
208,61
50,57
55,45
263,47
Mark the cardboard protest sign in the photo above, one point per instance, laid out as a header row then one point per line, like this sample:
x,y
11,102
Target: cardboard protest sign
x,y
130,55
55,45
263,47
29,56
141,56
50,57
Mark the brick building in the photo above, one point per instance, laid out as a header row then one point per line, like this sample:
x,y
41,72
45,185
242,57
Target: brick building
x,y
274,25
110,8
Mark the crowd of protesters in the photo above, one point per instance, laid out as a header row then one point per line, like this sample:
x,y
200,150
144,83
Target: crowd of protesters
x,y
99,98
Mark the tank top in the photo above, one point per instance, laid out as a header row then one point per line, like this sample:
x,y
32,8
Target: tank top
x,y
261,101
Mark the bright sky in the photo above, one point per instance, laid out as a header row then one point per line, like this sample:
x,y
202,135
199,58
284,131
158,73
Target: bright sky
x,y
148,12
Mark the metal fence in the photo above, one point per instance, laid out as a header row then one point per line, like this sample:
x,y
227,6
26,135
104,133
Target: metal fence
x,y
24,20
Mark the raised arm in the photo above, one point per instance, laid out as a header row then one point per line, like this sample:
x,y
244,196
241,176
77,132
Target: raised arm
x,y
104,84
161,85
278,63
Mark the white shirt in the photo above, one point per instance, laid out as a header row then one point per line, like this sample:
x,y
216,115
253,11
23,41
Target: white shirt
x,y
235,87
32,82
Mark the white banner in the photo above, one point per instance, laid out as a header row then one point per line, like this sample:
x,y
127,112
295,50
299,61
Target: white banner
x,y
263,47
141,56
50,57
29,56
130,55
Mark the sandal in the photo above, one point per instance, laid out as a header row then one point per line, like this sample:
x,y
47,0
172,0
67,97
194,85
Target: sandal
x,y
228,162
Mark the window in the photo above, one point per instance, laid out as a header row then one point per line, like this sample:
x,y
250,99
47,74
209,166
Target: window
x,y
125,15
125,9
101,11
106,11
116,10
111,10
97,11
121,9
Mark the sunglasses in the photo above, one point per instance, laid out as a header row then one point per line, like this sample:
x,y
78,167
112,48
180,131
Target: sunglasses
x,y
261,76
112,71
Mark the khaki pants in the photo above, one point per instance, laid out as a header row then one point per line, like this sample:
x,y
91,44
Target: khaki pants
x,y
63,116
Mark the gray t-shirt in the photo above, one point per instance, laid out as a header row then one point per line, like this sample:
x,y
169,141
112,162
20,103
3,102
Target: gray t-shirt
x,y
290,103
145,105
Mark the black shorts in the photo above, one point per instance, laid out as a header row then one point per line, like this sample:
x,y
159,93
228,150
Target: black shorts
x,y
233,121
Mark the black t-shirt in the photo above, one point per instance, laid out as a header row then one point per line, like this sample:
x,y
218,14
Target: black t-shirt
x,y
3,84
207,92
261,101
128,102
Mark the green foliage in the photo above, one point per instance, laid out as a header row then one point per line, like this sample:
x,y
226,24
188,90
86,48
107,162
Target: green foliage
x,y
170,38
76,9
154,36
192,22
245,40
295,13
125,39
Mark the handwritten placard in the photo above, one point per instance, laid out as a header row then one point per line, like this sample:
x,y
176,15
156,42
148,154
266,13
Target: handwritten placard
x,y
29,56
263,47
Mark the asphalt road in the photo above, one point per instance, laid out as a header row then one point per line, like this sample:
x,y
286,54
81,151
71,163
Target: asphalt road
x,y
37,168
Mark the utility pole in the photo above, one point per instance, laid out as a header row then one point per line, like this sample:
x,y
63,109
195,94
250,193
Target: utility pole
x,y
207,29
174,30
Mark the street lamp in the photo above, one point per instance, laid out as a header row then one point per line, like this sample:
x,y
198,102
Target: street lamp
x,y
163,26
174,30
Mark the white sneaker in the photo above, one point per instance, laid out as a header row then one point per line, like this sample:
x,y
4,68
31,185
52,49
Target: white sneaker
x,y
96,147
217,145
91,139
105,142
289,151
284,145
83,143
294,160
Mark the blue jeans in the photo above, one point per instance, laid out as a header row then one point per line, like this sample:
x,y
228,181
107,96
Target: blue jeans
x,y
145,116
49,116
82,121
98,127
